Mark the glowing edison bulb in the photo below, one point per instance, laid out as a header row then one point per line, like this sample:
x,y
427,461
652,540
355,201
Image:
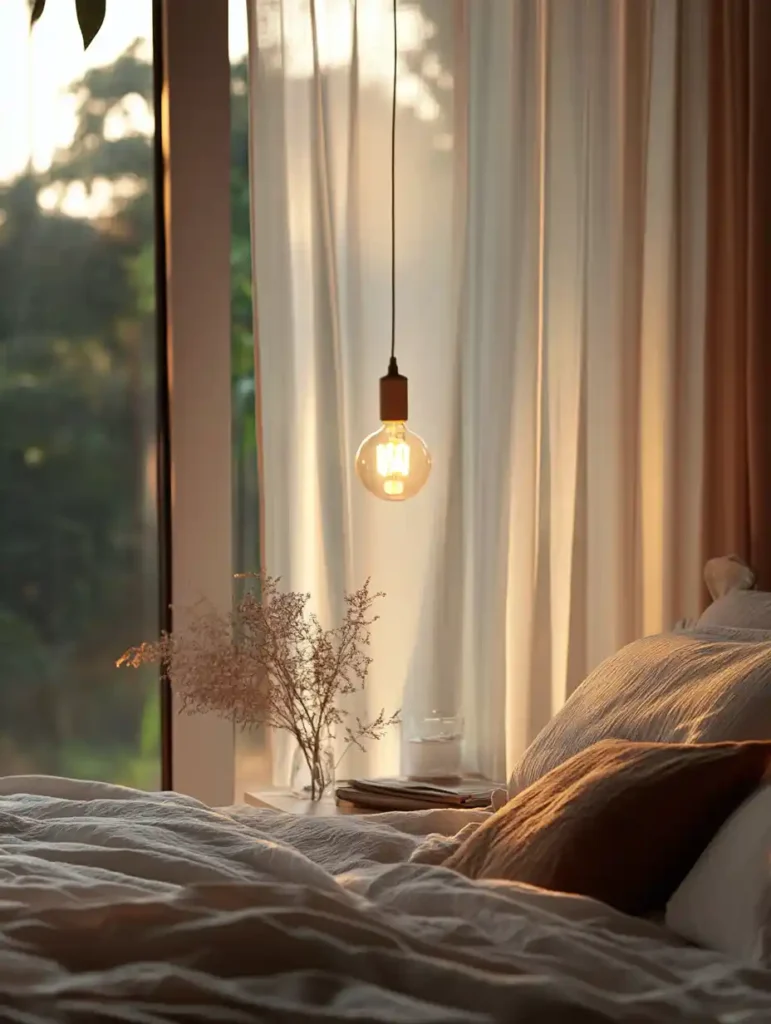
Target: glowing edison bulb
x,y
393,463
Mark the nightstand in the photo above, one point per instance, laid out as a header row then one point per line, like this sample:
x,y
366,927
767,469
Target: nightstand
x,y
284,800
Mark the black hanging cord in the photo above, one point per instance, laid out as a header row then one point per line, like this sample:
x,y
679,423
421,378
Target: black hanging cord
x,y
393,196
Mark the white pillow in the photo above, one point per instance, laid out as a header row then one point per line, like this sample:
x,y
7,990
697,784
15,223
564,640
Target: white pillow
x,y
740,609
724,902
699,686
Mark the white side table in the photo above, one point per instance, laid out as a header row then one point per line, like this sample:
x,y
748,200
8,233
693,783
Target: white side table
x,y
284,800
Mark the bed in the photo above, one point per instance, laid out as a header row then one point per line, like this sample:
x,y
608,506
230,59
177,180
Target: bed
x,y
649,790
117,905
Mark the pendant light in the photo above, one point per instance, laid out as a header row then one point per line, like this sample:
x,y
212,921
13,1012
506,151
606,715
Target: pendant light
x,y
393,463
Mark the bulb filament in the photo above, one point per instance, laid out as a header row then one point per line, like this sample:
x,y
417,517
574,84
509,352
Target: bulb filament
x,y
393,460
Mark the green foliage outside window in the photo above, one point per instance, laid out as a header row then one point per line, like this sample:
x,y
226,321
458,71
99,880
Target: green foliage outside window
x,y
78,558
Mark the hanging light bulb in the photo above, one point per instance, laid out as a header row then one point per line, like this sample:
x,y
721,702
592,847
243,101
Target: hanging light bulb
x,y
393,463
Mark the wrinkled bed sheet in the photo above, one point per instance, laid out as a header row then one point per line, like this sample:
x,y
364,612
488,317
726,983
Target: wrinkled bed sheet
x,y
122,906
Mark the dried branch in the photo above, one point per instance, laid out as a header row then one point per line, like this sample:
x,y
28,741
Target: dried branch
x,y
270,662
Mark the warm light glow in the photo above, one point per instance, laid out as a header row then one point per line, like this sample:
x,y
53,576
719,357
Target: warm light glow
x,y
393,463
393,459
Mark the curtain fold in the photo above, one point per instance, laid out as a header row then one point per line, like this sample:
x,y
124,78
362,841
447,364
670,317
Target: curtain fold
x,y
551,291
737,466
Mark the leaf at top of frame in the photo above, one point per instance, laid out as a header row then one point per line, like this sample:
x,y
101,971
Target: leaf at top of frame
x,y
90,18
36,8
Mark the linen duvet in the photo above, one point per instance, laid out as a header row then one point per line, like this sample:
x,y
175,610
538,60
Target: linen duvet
x,y
117,905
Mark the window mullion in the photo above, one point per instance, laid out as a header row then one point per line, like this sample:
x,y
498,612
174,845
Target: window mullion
x,y
196,137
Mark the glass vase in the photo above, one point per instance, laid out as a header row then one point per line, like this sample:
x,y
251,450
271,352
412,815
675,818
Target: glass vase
x,y
313,782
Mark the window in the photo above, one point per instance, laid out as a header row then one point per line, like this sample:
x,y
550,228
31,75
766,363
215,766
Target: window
x,y
246,531
252,746
78,511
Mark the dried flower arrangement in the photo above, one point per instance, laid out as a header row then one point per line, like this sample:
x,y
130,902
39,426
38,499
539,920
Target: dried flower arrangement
x,y
270,662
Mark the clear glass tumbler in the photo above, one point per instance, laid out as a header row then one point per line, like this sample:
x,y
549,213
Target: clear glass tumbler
x,y
432,746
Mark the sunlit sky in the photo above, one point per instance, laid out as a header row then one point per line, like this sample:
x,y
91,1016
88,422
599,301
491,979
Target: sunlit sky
x,y
36,113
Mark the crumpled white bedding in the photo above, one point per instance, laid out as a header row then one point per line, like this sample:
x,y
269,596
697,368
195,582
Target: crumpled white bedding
x,y
122,906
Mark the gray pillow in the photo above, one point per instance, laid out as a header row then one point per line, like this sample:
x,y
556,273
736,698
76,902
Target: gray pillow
x,y
740,609
703,685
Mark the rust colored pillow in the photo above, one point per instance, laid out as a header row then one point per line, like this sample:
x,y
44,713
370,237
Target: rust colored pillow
x,y
620,821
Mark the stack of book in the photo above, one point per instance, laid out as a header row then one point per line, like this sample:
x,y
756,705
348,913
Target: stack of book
x,y
402,794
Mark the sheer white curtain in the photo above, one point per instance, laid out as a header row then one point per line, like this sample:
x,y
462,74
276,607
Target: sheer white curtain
x,y
550,317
